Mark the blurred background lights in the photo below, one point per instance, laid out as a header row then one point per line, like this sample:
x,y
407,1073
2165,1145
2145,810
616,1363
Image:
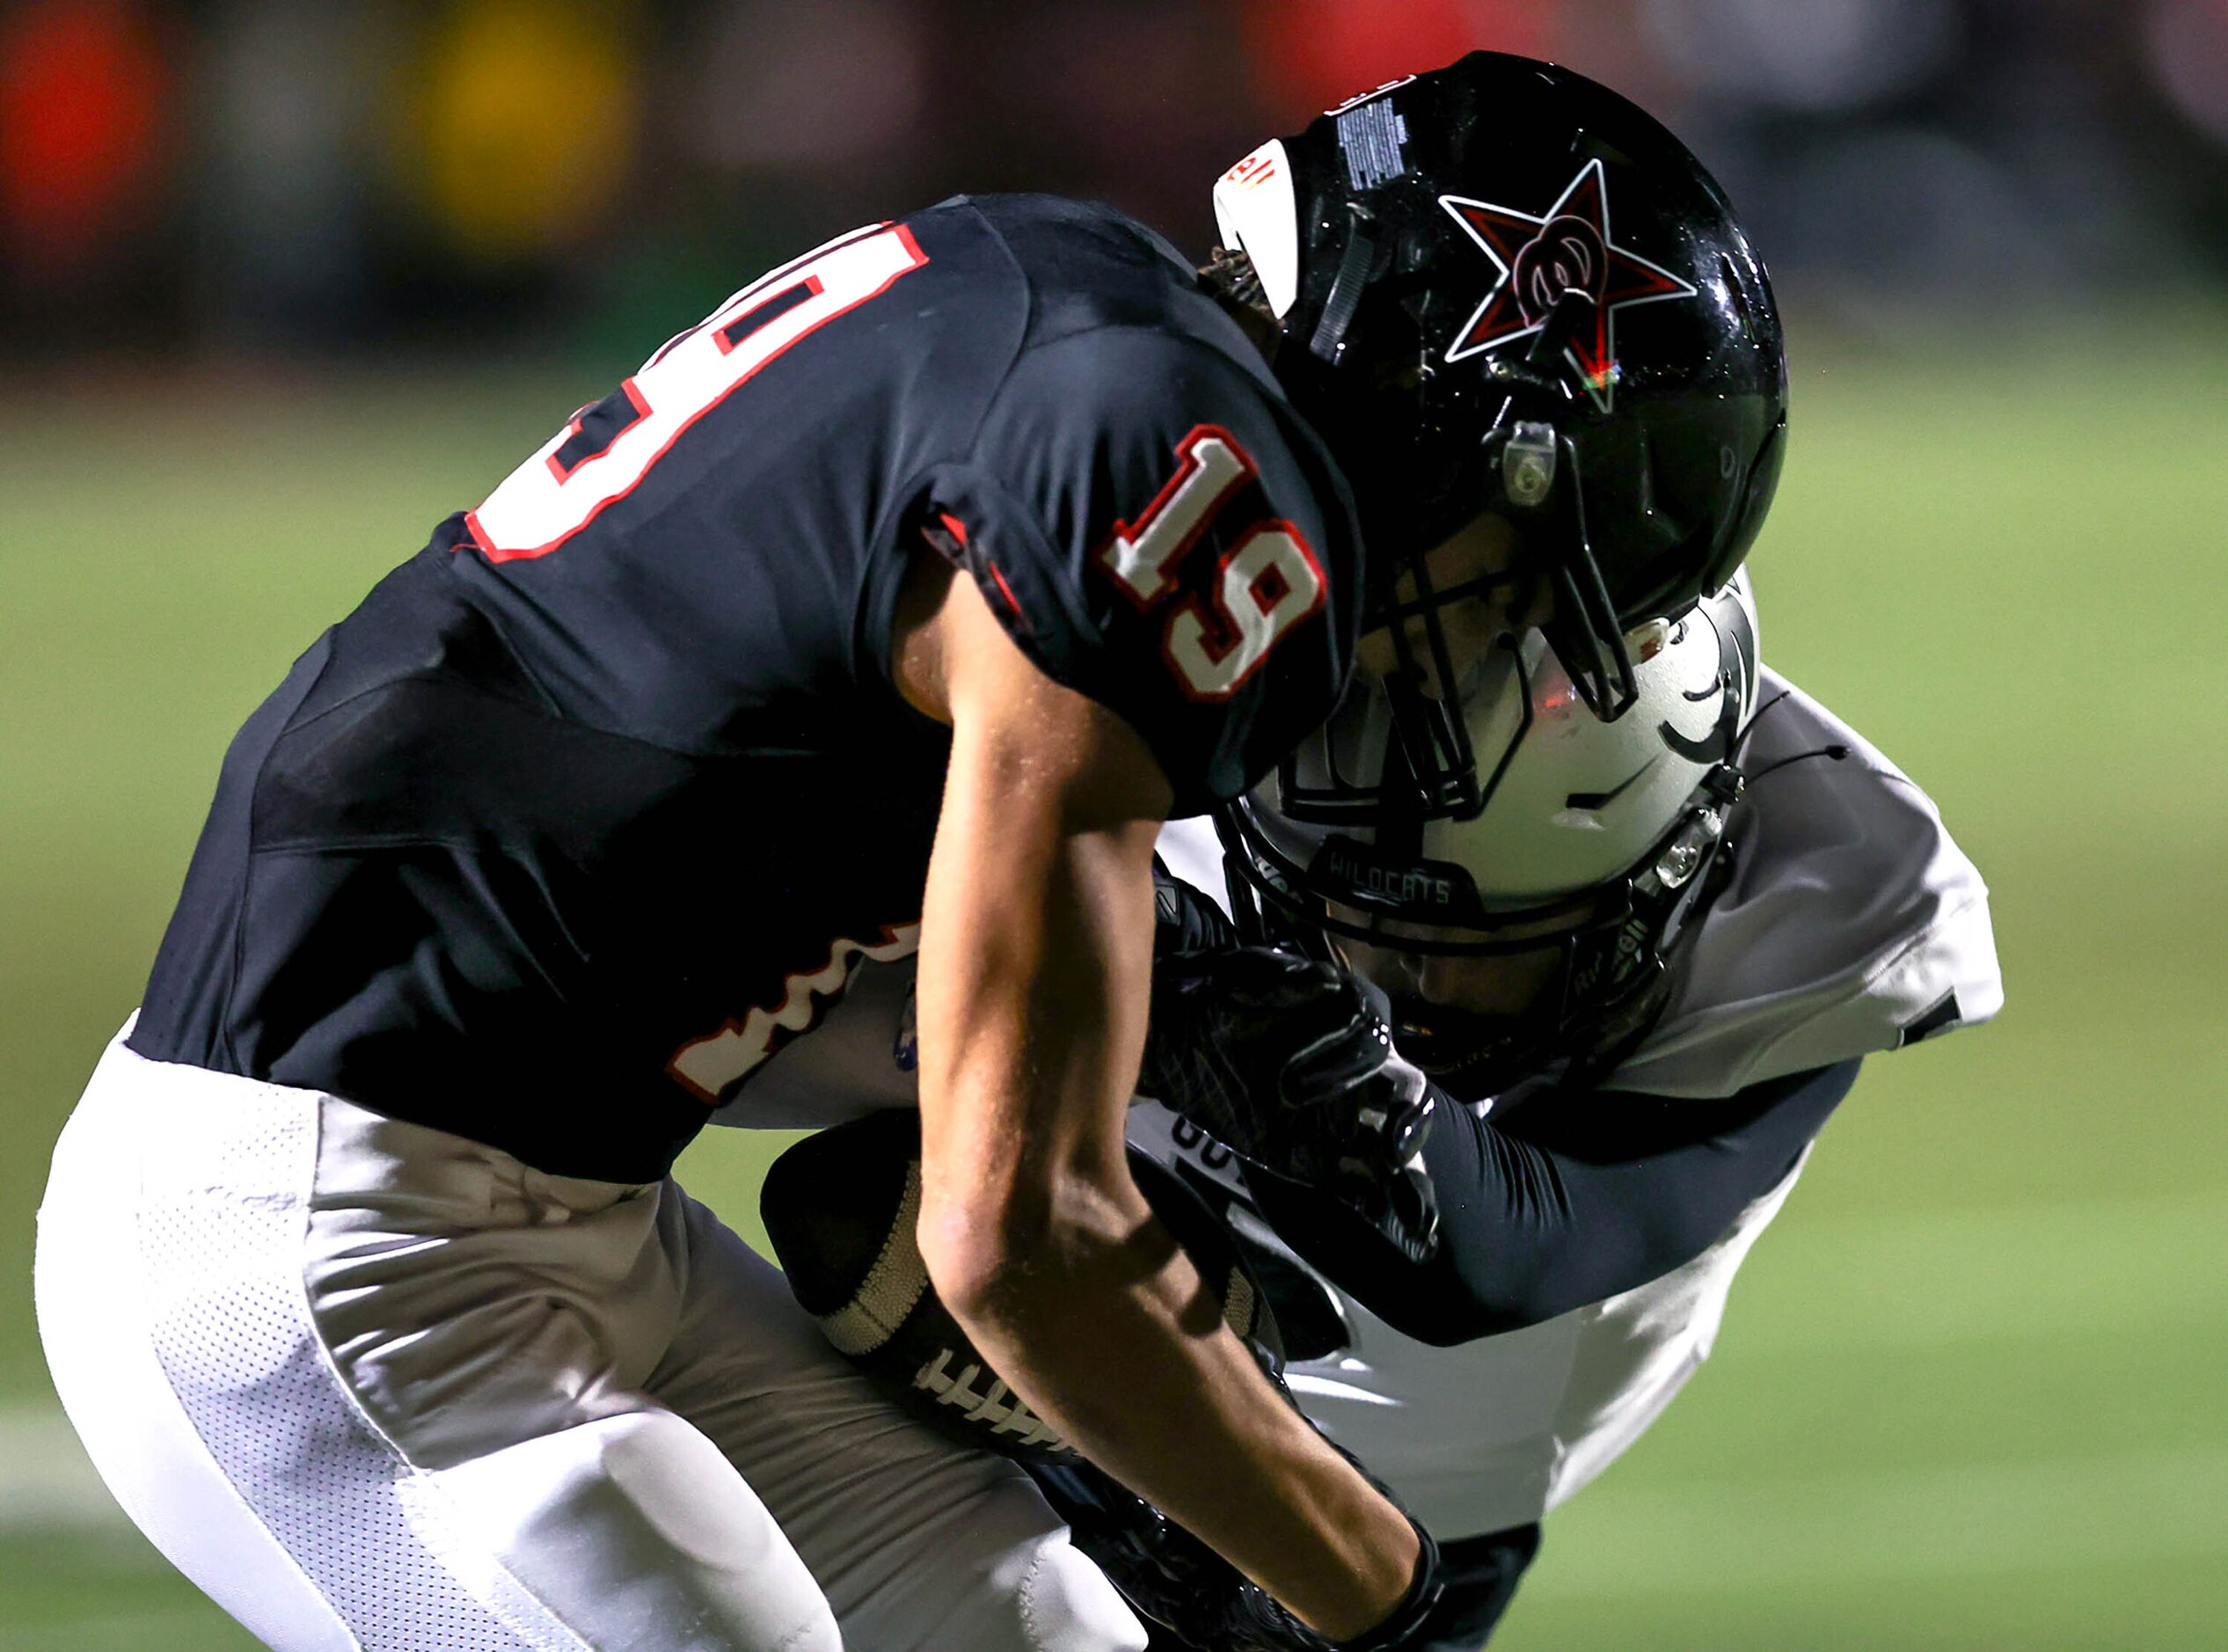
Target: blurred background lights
x,y
328,173
2189,49
1907,219
281,208
83,102
800,84
1820,54
1309,55
522,123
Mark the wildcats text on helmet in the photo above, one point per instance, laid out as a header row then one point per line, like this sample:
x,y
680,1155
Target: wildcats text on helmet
x,y
1406,885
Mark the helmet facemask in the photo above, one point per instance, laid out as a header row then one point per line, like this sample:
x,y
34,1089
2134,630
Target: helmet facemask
x,y
1580,978
1526,470
1406,744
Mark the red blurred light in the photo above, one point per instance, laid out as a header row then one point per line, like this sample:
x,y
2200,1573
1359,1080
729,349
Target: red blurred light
x,y
82,92
1311,54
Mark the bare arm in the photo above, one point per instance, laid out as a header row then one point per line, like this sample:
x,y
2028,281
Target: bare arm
x,y
1035,963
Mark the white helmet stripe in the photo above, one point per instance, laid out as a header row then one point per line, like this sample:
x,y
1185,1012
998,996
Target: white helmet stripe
x,y
1256,214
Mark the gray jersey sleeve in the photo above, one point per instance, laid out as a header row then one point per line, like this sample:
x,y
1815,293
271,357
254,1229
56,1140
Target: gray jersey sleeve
x,y
1854,922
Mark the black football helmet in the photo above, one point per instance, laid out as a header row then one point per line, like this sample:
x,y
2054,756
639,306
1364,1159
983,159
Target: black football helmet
x,y
1500,286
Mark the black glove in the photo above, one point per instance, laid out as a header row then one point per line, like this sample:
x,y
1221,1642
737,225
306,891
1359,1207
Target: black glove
x,y
1185,920
1290,1064
1171,1577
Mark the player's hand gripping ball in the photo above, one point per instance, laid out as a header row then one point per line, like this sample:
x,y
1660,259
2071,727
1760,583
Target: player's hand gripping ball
x,y
1204,1603
841,1208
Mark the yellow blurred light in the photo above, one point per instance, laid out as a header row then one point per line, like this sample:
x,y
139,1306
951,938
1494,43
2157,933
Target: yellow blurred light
x,y
521,121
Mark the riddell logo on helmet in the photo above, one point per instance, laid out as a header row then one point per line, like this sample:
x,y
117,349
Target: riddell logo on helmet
x,y
1567,249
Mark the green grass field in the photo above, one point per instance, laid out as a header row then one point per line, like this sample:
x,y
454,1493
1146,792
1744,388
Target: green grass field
x,y
1970,1392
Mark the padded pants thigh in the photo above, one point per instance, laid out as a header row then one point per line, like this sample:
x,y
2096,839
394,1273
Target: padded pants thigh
x,y
634,1529
176,1248
921,1544
376,1388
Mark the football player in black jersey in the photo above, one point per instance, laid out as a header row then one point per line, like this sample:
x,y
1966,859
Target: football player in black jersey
x,y
891,607
1641,978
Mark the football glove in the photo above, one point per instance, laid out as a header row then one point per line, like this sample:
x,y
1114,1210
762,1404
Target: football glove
x,y
1185,920
1202,1600
1290,1064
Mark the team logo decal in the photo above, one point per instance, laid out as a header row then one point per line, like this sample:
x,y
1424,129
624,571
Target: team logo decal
x,y
1567,249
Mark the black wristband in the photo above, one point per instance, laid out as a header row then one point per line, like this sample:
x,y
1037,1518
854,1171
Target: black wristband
x,y
1414,1607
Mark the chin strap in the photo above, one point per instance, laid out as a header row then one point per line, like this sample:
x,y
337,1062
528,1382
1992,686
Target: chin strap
x,y
1347,287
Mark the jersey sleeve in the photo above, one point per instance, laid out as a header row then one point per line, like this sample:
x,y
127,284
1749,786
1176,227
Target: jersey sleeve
x,y
1571,1199
1157,530
1853,923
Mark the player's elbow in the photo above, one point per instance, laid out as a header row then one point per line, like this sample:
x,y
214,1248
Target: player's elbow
x,y
1007,1248
977,1247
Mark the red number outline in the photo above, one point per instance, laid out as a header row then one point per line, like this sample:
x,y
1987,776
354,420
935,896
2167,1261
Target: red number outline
x,y
1198,605
564,472
759,292
1195,605
1189,465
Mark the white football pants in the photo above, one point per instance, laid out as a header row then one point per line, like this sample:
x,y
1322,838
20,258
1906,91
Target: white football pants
x,y
376,1388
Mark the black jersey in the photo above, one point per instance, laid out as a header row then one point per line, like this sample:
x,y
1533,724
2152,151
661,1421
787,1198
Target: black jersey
x,y
601,796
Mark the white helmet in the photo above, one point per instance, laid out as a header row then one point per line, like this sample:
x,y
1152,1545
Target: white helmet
x,y
1587,856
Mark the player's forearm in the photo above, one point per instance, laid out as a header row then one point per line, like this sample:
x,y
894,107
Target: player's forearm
x,y
1105,1328
1034,976
1034,979
1085,1307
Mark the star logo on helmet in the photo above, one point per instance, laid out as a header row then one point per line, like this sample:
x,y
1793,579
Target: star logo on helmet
x,y
1570,248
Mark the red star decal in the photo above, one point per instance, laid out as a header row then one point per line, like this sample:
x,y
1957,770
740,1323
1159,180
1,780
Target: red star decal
x,y
1540,259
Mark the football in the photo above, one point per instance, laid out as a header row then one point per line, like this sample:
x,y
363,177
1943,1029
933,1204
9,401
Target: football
x,y
841,1208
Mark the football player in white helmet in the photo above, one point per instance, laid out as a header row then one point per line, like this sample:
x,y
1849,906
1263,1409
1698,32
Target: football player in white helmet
x,y
1640,979
1537,928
